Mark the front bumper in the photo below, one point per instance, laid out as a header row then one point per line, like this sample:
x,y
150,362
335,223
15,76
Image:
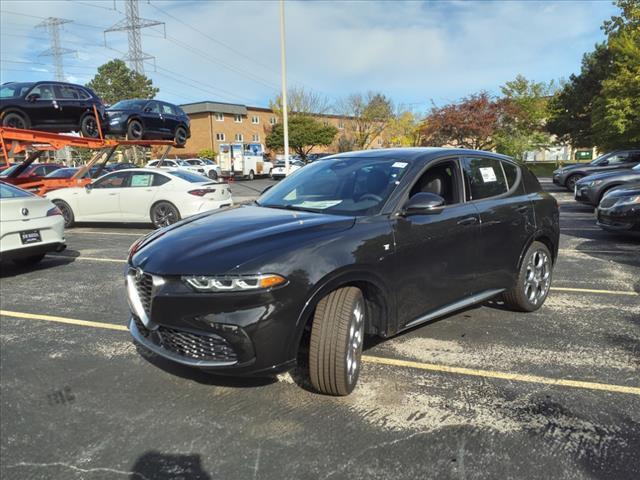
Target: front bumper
x,y
585,194
625,219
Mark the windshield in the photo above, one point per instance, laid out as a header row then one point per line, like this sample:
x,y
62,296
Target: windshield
x,y
6,172
9,191
128,105
189,176
601,158
342,186
14,90
62,173
183,163
207,161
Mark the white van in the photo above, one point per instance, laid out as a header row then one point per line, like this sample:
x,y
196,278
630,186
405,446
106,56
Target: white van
x,y
243,160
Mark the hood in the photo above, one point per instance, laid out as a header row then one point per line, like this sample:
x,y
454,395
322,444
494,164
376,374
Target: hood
x,y
216,243
625,191
623,173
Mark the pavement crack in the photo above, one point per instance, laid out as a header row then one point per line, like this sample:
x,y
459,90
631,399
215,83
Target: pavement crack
x,y
79,469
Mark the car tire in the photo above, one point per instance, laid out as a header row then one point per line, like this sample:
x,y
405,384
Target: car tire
x,y
28,261
271,173
534,280
180,137
335,347
571,181
213,175
164,214
15,120
135,130
89,126
67,212
251,175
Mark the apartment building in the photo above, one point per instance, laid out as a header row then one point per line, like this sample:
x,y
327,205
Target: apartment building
x,y
213,123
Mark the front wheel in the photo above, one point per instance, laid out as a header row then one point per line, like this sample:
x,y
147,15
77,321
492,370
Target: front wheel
x,y
135,130
534,280
67,213
164,214
252,175
337,334
89,126
572,180
180,137
14,120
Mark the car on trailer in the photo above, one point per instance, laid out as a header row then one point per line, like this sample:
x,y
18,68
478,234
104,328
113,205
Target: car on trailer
x,y
51,106
30,226
20,174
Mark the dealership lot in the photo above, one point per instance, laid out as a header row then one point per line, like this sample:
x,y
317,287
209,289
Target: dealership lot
x,y
485,392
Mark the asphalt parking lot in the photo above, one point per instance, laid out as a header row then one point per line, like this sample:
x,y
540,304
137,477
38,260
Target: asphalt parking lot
x,y
483,393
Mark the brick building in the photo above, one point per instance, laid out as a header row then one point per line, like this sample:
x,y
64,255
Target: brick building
x,y
213,123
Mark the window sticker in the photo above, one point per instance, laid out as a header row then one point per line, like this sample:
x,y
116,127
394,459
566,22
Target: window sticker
x,y
399,165
319,204
141,180
488,175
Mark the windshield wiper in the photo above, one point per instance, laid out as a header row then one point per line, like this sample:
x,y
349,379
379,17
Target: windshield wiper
x,y
292,207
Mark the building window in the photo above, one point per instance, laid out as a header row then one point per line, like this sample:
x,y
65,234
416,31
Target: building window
x,y
379,141
273,120
255,137
239,137
237,118
219,116
220,137
341,125
255,120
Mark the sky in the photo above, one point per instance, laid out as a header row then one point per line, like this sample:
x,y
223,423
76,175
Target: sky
x,y
417,53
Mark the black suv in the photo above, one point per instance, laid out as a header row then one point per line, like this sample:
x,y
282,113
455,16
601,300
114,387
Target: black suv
x,y
569,174
148,119
52,106
372,242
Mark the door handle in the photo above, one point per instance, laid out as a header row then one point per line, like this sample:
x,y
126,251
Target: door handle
x,y
468,221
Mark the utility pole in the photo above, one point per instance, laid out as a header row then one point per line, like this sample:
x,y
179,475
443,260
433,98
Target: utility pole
x,y
132,24
52,26
283,66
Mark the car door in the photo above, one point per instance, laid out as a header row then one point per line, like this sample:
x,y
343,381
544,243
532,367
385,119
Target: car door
x,y
435,259
100,202
139,194
507,218
170,120
152,119
44,111
69,104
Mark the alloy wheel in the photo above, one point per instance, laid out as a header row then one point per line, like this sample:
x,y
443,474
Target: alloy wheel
x,y
164,215
91,127
538,277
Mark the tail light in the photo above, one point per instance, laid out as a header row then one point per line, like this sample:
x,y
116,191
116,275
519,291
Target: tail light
x,y
53,211
201,192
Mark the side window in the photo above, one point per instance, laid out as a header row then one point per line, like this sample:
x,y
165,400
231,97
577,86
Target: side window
x,y
114,180
167,109
440,179
169,163
483,178
511,171
64,92
39,171
82,93
141,179
618,158
159,179
154,106
634,157
44,90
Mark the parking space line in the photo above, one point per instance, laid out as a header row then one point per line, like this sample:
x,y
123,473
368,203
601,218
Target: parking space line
x,y
591,290
92,259
127,234
575,250
70,321
385,361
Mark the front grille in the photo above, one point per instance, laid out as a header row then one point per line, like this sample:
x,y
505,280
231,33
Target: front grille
x,y
189,345
608,202
144,287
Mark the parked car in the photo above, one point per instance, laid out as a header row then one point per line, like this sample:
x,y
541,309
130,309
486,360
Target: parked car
x,y
19,174
312,157
619,209
148,119
161,197
112,167
52,106
279,170
372,242
211,168
568,175
68,172
30,226
178,165
591,189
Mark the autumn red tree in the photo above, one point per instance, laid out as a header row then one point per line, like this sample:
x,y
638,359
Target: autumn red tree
x,y
471,123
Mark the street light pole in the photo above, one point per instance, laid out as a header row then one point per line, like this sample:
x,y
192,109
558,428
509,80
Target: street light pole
x,y
283,66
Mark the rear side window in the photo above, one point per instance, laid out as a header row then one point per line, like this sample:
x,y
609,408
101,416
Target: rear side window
x,y
483,178
511,172
159,179
188,176
167,109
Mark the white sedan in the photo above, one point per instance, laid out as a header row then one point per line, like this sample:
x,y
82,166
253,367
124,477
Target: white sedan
x,y
211,168
279,171
30,226
178,165
141,195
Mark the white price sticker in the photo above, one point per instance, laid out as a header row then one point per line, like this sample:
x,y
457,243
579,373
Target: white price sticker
x,y
488,175
399,165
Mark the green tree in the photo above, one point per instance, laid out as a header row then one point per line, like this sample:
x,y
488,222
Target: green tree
x,y
207,153
404,130
115,81
522,126
370,114
304,133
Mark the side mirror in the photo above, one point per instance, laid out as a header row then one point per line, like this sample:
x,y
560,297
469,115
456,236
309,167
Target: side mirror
x,y
88,187
423,203
33,97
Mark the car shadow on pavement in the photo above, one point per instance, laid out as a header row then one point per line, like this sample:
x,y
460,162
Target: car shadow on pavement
x,y
201,376
111,225
11,269
162,466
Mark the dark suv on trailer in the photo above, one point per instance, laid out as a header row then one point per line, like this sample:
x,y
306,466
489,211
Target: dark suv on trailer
x,y
359,243
52,106
568,175
148,119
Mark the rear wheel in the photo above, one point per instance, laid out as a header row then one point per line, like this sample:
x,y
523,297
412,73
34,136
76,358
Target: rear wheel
x,y
67,213
135,131
571,181
164,214
28,261
213,175
15,120
89,126
251,175
534,280
335,348
180,137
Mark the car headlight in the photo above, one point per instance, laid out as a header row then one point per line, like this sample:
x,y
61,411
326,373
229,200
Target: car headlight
x,y
240,283
594,183
629,200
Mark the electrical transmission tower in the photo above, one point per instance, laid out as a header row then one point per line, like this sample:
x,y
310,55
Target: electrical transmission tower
x,y
52,25
132,25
